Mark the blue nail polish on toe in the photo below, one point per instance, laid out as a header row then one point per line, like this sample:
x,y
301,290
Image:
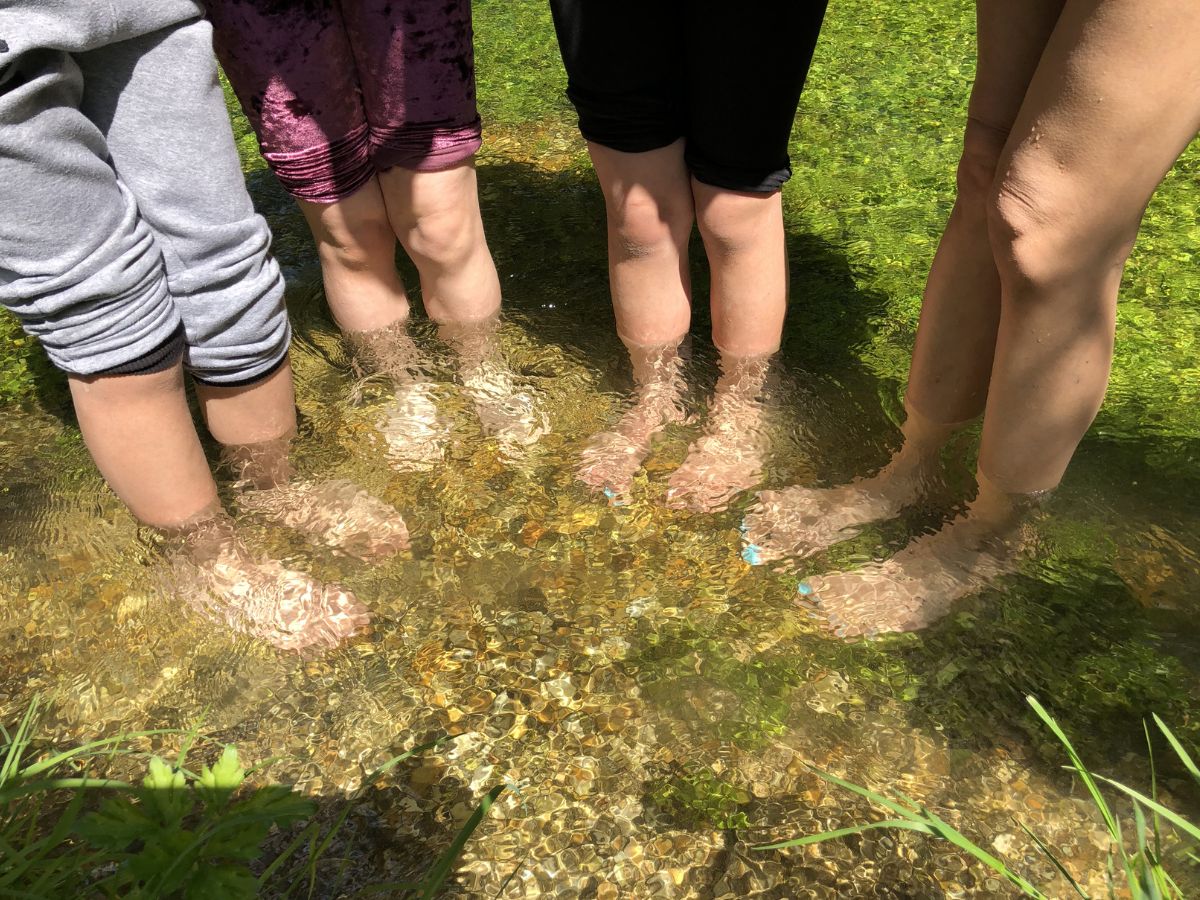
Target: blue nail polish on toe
x,y
743,528
752,554
613,497
804,589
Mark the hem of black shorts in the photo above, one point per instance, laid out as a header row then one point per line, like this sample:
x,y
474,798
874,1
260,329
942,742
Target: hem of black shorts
x,y
245,382
643,146
769,185
158,358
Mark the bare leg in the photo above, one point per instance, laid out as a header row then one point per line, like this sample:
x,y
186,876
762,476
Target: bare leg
x,y
960,315
436,217
1114,103
140,433
744,240
648,198
256,424
357,250
1111,107
415,434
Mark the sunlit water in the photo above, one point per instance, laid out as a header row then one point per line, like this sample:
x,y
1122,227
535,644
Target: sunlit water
x,y
652,702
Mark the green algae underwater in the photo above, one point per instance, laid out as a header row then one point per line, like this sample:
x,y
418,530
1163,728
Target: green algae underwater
x,y
652,703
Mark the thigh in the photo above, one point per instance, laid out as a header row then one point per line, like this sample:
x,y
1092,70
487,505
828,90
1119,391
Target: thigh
x,y
745,68
293,71
78,266
414,199
625,70
1114,102
160,106
1010,36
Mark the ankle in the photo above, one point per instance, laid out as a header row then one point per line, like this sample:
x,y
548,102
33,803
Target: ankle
x,y
388,350
260,466
208,536
1003,511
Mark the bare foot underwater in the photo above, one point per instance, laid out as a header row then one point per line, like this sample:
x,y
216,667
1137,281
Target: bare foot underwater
x,y
411,427
333,513
922,583
507,411
723,461
213,573
728,457
613,457
800,521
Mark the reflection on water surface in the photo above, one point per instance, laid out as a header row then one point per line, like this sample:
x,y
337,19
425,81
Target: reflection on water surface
x,y
651,700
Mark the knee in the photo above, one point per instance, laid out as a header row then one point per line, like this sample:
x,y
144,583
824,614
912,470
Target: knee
x,y
356,242
1045,238
730,223
643,225
983,144
445,236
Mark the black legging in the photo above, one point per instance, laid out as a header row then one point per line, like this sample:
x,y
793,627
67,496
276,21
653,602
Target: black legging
x,y
725,75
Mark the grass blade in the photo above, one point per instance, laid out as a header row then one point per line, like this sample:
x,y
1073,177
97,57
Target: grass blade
x,y
947,831
843,832
286,853
1173,817
441,870
1109,819
1055,861
1178,748
89,748
912,814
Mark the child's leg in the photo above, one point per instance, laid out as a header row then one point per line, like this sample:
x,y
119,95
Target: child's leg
x,y
741,106
424,131
648,200
357,250
435,214
84,274
162,475
294,72
743,239
624,62
728,457
229,291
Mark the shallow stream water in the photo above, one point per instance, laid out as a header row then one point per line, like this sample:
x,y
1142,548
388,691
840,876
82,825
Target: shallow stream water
x,y
653,703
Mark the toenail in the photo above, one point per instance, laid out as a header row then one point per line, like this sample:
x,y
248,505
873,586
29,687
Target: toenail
x,y
804,588
752,554
744,528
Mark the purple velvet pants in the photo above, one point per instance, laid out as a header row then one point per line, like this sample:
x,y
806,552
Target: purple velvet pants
x,y
338,90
